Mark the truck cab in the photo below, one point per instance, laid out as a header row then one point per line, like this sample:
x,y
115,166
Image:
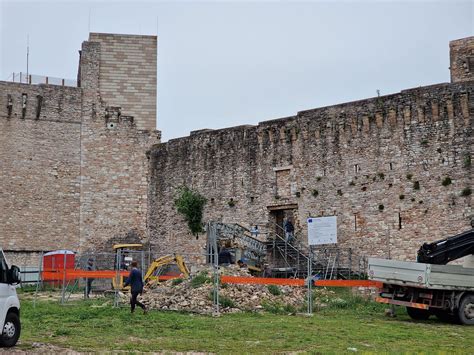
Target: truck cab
x,y
9,303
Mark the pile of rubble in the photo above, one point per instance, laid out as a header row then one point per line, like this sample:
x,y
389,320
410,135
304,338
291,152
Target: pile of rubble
x,y
196,294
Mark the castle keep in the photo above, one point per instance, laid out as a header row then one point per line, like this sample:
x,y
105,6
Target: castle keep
x,y
73,166
83,166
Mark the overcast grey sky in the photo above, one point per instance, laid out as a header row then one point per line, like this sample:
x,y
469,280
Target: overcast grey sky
x,y
224,63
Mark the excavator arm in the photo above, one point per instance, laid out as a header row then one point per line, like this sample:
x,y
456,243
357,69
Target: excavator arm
x,y
445,250
163,261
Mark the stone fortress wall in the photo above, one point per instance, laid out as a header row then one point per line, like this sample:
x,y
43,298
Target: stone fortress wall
x,y
396,170
82,167
73,166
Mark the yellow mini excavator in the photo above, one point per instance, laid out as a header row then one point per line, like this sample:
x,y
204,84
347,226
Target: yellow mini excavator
x,y
169,265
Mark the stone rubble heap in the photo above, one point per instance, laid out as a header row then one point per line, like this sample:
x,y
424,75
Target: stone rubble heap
x,y
185,296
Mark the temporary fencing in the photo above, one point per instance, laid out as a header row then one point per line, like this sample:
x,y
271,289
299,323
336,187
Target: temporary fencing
x,y
104,273
107,268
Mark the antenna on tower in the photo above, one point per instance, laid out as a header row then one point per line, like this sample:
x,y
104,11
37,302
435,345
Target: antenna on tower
x,y
89,21
27,56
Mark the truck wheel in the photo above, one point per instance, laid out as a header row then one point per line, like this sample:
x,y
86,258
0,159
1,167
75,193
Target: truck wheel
x,y
418,313
11,330
466,310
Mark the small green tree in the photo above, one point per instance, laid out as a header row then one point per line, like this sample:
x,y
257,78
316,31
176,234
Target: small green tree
x,y
191,204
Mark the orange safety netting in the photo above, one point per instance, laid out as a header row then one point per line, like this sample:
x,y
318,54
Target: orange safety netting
x,y
348,283
69,274
57,275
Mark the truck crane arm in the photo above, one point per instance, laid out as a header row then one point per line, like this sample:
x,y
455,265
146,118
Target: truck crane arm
x,y
445,250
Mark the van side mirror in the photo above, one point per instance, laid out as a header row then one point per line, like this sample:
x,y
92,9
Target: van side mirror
x,y
13,275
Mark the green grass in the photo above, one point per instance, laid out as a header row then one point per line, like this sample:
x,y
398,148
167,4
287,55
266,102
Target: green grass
x,y
349,322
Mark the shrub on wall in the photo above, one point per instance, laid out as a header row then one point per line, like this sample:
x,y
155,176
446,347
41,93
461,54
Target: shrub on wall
x,y
467,161
466,191
446,181
191,204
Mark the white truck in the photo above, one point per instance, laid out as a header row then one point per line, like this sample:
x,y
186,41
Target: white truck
x,y
429,286
9,303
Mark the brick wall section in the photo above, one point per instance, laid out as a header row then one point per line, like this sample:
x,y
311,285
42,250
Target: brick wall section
x,y
39,167
363,159
462,59
127,75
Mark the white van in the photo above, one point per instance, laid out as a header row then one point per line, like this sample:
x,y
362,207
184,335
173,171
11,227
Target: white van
x,y
9,303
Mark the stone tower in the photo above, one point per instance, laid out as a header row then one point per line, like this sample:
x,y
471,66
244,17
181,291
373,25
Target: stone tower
x,y
127,75
462,59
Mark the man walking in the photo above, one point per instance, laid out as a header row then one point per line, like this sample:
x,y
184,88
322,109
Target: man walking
x,y
136,284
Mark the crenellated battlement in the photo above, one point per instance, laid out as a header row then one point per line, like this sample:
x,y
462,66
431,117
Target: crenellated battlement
x,y
395,114
40,102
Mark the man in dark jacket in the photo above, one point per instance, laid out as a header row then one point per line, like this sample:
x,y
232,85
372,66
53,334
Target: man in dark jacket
x,y
136,284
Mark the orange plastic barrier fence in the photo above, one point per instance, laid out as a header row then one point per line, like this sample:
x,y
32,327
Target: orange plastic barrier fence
x,y
109,274
297,282
348,283
76,274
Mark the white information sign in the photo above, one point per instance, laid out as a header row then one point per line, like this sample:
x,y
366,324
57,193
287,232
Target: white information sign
x,y
322,230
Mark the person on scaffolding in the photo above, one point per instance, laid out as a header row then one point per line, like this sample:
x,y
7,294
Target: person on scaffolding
x,y
135,281
89,280
289,231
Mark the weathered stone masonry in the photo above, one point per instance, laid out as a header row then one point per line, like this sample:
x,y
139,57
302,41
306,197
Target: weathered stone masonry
x,y
73,167
396,170
378,164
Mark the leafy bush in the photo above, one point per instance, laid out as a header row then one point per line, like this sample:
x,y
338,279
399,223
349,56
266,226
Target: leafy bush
x,y
191,204
226,302
177,281
466,191
274,290
223,300
315,193
416,185
467,161
200,280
